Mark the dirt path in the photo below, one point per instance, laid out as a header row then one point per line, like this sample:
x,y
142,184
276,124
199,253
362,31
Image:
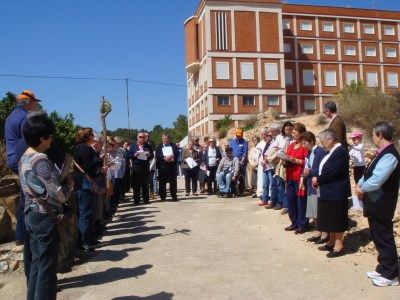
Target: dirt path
x,y
209,248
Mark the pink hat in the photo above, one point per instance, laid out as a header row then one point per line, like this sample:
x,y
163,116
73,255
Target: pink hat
x,y
356,134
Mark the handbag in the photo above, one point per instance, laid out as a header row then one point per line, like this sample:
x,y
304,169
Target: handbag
x,y
93,186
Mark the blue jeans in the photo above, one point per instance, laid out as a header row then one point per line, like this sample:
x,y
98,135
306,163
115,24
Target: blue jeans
x,y
224,181
297,206
278,191
267,180
44,242
20,228
85,200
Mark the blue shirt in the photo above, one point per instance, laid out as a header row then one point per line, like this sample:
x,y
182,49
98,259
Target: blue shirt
x,y
239,148
15,142
381,173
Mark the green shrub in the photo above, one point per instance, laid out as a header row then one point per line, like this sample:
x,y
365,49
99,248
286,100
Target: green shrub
x,y
225,122
222,133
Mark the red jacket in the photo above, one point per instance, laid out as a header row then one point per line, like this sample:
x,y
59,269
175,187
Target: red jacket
x,y
294,171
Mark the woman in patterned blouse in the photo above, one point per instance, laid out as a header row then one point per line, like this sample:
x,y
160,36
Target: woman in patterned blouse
x,y
44,197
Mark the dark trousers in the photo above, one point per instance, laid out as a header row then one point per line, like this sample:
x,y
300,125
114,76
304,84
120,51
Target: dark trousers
x,y
358,173
383,238
191,175
44,242
85,200
140,182
127,179
167,174
278,191
297,206
212,179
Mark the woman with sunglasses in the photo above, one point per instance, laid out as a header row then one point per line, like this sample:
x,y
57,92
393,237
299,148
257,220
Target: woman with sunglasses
x,y
212,156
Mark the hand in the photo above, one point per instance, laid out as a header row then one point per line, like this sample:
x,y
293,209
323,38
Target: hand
x,y
359,192
306,172
314,182
103,170
233,178
136,154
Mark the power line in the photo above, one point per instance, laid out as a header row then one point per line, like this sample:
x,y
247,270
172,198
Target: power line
x,y
94,78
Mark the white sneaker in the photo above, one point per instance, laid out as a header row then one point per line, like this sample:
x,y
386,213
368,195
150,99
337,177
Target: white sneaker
x,y
373,274
381,281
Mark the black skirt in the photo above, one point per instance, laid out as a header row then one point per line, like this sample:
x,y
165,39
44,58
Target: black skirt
x,y
332,216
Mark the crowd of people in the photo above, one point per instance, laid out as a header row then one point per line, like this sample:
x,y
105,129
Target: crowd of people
x,y
287,167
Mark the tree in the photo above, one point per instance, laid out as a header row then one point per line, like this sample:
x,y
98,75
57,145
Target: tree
x,y
65,131
180,129
7,105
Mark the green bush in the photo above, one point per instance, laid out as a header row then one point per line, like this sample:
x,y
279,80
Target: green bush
x,y
222,133
225,122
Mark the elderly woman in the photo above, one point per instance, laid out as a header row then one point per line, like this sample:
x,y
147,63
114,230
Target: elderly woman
x,y
333,182
260,172
251,175
212,157
297,203
44,196
191,173
89,167
379,190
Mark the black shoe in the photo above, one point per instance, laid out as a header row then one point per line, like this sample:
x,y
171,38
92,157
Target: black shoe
x,y
322,241
175,199
254,196
87,247
335,253
314,239
290,228
162,199
325,248
277,207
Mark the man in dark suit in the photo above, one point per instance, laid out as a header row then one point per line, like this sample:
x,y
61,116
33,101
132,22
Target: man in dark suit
x,y
337,124
167,156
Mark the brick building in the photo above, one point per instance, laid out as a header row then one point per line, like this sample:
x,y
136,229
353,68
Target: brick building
x,y
244,56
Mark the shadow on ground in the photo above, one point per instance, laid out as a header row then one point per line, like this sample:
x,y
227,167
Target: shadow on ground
x,y
159,296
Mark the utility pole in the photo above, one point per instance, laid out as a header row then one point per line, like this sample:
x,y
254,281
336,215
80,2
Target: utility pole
x,y
127,104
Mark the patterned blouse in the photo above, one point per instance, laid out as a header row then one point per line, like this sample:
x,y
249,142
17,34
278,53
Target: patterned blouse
x,y
40,185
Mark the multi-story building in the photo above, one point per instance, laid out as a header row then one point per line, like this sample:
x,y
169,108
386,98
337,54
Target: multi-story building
x,y
244,56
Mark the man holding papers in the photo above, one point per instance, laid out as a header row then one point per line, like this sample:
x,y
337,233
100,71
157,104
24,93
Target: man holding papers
x,y
141,154
167,157
190,166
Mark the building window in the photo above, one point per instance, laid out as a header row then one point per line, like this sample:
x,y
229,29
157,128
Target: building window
x,y
308,78
288,77
222,69
348,27
290,104
286,24
389,30
306,25
372,79
223,100
329,49
392,80
307,49
272,101
350,50
287,48
271,71
309,104
247,70
248,100
370,51
391,52
327,26
351,76
369,29
222,32
330,78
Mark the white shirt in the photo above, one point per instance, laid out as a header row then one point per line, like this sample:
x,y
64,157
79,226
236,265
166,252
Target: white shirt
x,y
212,157
260,147
357,154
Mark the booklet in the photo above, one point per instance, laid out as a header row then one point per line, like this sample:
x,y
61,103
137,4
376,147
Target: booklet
x,y
357,203
282,155
191,162
142,155
167,151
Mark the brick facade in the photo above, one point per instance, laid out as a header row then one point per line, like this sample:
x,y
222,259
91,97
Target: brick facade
x,y
245,56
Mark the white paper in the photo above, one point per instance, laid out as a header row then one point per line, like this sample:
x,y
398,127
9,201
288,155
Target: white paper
x,y
167,151
142,155
208,173
191,162
357,203
115,166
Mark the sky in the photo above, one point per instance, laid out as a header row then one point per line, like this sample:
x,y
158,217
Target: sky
x,y
137,39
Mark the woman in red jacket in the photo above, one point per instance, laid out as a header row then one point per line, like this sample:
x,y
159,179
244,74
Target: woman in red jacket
x,y
297,203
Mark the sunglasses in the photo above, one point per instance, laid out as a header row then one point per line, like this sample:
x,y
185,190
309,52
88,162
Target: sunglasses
x,y
141,136
211,141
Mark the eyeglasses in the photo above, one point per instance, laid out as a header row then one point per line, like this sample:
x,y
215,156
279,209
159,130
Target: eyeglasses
x,y
141,136
269,135
211,141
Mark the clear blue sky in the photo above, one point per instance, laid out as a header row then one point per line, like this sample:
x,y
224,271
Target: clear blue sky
x,y
138,39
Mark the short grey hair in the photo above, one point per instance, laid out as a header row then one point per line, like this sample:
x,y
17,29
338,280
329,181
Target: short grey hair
x,y
264,130
385,128
276,127
328,134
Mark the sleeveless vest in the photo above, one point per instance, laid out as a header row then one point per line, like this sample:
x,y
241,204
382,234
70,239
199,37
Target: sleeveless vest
x,y
381,204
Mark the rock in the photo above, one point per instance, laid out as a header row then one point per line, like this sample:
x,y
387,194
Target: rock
x,y
17,249
14,265
3,266
5,256
6,232
19,256
5,250
9,189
